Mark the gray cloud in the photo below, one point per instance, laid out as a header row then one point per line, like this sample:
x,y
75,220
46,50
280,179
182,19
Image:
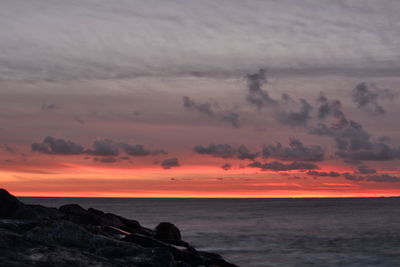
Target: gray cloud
x,y
46,106
106,160
296,151
374,151
205,108
379,178
295,118
140,150
365,170
170,163
212,111
278,166
366,97
226,166
324,174
191,39
226,151
51,145
78,119
104,147
329,108
216,150
353,142
232,118
256,95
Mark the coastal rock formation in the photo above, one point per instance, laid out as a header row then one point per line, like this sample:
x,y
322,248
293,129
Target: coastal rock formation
x,y
33,235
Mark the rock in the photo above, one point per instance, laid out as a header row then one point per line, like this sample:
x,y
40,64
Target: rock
x,y
36,212
154,257
34,235
8,204
12,208
184,255
74,209
77,214
69,234
167,232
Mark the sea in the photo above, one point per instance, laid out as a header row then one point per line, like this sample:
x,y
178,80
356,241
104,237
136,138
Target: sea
x,y
271,232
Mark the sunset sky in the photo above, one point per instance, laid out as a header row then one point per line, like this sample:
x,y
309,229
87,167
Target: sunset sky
x,y
210,98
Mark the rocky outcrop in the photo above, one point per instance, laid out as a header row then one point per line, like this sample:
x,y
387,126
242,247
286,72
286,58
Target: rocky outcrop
x,y
33,235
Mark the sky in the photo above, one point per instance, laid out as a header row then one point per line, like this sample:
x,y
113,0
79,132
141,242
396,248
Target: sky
x,y
211,98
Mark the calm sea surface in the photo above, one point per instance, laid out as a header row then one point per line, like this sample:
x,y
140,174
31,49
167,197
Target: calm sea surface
x,y
271,232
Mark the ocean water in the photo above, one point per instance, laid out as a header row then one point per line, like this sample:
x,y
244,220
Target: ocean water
x,y
271,232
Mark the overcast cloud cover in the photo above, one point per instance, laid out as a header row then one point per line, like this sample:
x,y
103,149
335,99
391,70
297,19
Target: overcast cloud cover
x,y
213,88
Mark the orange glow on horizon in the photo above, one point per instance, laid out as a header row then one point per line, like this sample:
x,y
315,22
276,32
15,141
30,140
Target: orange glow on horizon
x,y
82,178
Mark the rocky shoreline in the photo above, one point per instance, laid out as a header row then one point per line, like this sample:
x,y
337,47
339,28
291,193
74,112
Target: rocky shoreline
x,y
34,235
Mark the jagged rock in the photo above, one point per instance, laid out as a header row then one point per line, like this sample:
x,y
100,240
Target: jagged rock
x,y
8,204
77,214
70,234
33,235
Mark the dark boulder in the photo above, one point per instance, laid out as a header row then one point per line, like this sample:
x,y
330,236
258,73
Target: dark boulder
x,y
167,232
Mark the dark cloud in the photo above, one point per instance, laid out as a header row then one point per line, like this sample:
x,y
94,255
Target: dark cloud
x,y
226,151
213,111
140,150
365,169
79,119
244,153
106,160
328,108
287,111
232,118
324,174
256,95
366,97
374,151
51,145
169,163
226,166
205,108
216,150
296,151
48,106
104,147
278,166
379,178
295,118
353,142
